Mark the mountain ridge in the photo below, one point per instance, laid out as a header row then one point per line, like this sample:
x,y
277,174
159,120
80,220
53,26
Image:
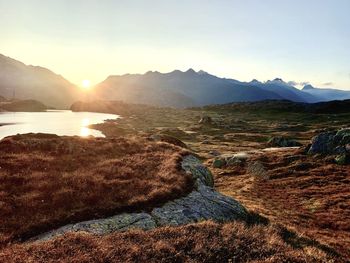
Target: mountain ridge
x,y
327,94
177,88
201,87
21,81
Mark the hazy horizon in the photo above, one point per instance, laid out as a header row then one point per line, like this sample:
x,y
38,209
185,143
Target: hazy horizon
x,y
292,40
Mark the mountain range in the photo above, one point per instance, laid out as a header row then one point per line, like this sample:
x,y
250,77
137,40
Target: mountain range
x,y
327,94
191,88
21,81
174,89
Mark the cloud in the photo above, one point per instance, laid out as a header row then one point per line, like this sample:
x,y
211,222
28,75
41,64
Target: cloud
x,y
328,84
296,83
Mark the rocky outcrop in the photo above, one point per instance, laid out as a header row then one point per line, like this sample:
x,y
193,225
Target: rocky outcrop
x,y
203,203
206,120
225,160
280,141
333,143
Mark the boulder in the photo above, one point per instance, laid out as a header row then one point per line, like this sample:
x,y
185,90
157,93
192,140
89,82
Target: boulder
x,y
214,152
230,160
219,162
323,143
329,143
280,141
206,120
343,159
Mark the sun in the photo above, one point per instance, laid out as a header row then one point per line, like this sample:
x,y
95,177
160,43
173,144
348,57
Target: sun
x,y
86,84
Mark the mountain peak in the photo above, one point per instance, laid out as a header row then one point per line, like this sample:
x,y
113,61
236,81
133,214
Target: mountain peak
x,y
202,72
150,72
191,71
308,87
277,81
255,81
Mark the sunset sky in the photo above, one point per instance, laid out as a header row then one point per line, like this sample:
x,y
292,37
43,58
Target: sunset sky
x,y
297,40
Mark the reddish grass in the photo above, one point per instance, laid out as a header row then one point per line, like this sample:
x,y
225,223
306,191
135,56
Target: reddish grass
x,y
204,242
48,181
309,194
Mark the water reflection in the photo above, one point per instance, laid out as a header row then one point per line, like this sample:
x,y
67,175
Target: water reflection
x,y
85,122
57,122
84,132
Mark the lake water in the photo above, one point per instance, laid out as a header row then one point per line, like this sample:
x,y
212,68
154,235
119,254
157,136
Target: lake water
x,y
60,122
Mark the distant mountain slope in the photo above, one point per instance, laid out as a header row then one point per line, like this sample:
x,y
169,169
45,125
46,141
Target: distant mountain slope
x,y
285,90
327,94
22,105
30,82
179,89
141,89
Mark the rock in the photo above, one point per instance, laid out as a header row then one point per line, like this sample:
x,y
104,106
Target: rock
x,y
233,162
328,143
241,156
120,222
168,139
342,137
214,153
230,160
343,159
206,120
258,170
322,143
219,162
203,203
280,141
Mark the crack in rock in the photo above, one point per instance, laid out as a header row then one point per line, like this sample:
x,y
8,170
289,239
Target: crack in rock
x,y
203,203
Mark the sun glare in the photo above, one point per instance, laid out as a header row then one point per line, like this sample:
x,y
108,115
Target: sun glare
x,y
86,84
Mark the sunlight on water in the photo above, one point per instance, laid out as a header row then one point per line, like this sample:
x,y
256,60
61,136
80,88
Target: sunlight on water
x,y
84,131
56,122
85,122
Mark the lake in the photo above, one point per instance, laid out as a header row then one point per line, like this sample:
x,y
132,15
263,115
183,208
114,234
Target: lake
x,y
60,122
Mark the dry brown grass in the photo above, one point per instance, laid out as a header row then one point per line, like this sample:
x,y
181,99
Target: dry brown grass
x,y
204,242
48,181
309,194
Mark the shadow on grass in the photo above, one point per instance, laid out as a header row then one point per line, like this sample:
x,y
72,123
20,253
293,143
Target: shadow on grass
x,y
291,237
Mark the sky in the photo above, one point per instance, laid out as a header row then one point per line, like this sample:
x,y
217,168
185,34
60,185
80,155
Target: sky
x,y
296,40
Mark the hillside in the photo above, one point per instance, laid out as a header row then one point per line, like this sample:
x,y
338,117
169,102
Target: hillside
x,y
21,105
285,90
31,82
284,106
327,94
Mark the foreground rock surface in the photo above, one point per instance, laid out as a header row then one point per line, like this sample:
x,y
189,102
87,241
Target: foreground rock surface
x,y
203,203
